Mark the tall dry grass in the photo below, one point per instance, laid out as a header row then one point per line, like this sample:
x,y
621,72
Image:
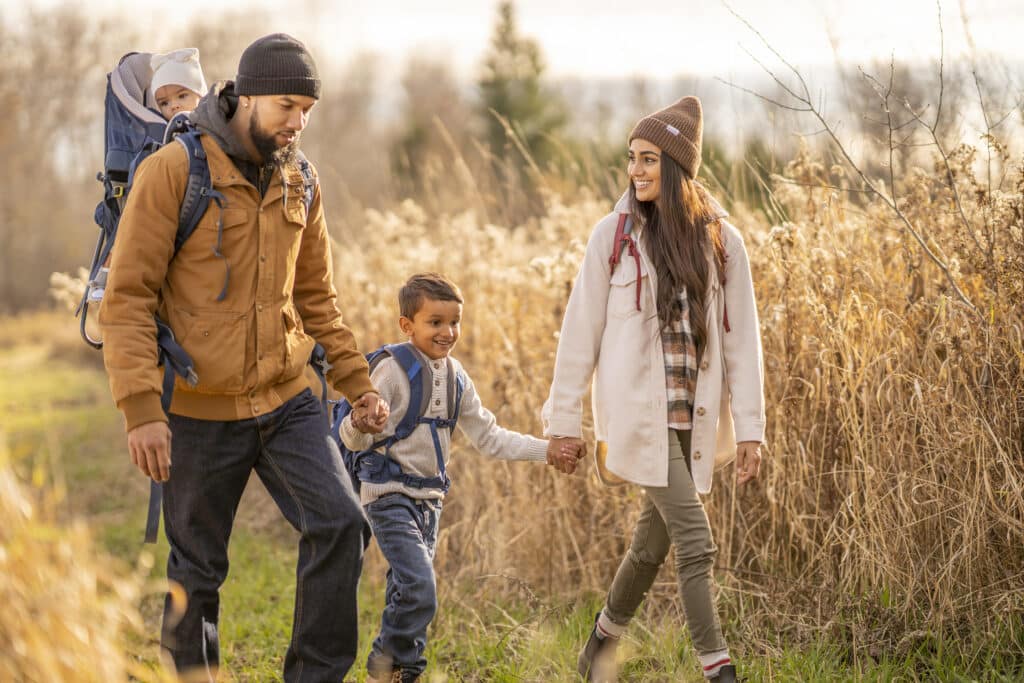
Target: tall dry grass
x,y
67,608
891,503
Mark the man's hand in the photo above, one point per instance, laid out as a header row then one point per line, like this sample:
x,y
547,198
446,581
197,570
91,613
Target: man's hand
x,y
149,446
370,413
748,461
564,453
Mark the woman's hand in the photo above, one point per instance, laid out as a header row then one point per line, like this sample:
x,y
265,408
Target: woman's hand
x,y
748,461
564,453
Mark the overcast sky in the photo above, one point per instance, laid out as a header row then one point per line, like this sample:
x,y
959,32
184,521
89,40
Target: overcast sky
x,y
616,38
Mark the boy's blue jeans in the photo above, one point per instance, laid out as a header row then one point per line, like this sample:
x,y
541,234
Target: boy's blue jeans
x,y
302,469
406,532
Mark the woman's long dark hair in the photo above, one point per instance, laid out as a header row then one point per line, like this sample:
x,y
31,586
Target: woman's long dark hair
x,y
680,229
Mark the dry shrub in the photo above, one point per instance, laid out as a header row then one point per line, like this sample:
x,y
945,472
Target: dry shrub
x,y
66,608
890,503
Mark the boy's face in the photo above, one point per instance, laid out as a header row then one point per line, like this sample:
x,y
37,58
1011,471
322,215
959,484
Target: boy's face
x,y
434,328
172,99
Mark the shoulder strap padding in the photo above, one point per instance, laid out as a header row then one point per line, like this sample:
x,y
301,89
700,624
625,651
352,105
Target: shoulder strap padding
x,y
197,192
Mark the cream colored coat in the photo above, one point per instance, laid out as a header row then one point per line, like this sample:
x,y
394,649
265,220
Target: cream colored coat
x,y
605,339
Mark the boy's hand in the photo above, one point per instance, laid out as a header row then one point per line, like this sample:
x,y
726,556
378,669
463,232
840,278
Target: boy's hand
x,y
564,453
374,412
358,417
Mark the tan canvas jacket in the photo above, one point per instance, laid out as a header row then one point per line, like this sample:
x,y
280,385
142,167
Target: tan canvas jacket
x,y
250,349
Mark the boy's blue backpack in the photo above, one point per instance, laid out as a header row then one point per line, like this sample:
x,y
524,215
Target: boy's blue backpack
x,y
375,465
132,131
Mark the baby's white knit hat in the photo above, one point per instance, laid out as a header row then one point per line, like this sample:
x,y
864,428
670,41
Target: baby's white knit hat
x,y
180,67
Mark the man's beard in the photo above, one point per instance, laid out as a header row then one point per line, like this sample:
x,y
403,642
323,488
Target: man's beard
x,y
267,146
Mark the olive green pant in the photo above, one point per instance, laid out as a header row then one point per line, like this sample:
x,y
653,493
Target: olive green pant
x,y
672,515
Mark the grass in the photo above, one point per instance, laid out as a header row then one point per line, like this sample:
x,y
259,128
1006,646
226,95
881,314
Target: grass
x,y
61,427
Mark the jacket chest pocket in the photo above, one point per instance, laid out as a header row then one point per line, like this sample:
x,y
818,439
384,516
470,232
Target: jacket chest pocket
x,y
626,288
295,204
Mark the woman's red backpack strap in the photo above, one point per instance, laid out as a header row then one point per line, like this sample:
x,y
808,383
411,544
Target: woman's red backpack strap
x,y
624,240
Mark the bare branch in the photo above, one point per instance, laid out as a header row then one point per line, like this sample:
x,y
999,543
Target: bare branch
x,y
942,59
764,41
763,97
889,199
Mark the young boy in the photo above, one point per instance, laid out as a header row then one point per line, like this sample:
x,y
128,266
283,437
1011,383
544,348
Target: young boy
x,y
405,517
177,83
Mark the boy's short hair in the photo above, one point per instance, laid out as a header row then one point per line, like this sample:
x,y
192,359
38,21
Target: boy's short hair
x,y
420,286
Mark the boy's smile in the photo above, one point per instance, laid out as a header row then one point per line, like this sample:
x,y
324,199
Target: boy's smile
x,y
434,328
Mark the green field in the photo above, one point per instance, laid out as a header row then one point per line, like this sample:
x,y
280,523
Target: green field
x,y
61,427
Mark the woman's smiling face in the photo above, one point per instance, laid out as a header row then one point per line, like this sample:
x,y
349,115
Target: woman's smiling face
x,y
645,169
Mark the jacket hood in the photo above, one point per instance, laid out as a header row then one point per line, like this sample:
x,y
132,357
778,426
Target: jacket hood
x,y
212,116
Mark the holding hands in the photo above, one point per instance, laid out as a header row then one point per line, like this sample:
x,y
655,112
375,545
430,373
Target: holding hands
x,y
565,452
370,413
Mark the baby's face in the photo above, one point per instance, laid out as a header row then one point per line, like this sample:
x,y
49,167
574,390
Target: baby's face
x,y
172,99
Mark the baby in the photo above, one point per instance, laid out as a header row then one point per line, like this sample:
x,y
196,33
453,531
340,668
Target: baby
x,y
177,83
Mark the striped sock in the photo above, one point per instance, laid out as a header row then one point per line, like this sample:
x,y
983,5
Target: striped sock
x,y
606,628
713,662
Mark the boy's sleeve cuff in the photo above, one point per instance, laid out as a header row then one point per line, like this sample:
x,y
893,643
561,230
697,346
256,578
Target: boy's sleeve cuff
x,y
140,409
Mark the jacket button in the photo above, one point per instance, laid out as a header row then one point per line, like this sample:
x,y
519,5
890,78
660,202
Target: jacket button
x,y
263,257
259,307
700,411
696,456
437,402
704,365
259,357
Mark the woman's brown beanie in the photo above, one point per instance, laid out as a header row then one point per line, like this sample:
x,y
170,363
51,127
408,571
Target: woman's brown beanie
x,y
677,130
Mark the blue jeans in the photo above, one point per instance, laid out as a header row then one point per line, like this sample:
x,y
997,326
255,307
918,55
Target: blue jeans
x,y
406,532
301,467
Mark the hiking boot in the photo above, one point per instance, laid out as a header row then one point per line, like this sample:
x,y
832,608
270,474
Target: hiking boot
x,y
727,674
596,662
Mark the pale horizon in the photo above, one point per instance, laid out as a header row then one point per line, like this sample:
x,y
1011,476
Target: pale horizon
x,y
657,40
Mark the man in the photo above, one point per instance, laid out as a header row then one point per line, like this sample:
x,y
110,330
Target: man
x,y
246,296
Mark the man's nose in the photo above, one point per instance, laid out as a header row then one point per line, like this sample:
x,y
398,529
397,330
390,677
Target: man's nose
x,y
298,120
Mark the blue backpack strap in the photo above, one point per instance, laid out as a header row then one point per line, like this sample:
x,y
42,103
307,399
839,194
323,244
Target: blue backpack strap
x,y
176,362
410,363
198,194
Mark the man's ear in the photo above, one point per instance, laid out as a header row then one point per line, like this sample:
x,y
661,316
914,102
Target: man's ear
x,y
406,325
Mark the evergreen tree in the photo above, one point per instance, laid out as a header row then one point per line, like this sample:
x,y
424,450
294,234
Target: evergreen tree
x,y
511,87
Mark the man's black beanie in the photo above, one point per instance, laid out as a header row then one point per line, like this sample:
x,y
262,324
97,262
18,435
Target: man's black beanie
x,y
277,65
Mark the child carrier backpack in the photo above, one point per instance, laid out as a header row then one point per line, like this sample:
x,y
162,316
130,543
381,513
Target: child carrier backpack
x,y
374,465
133,130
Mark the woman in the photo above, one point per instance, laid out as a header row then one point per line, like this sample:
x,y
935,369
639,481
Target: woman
x,y
664,320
